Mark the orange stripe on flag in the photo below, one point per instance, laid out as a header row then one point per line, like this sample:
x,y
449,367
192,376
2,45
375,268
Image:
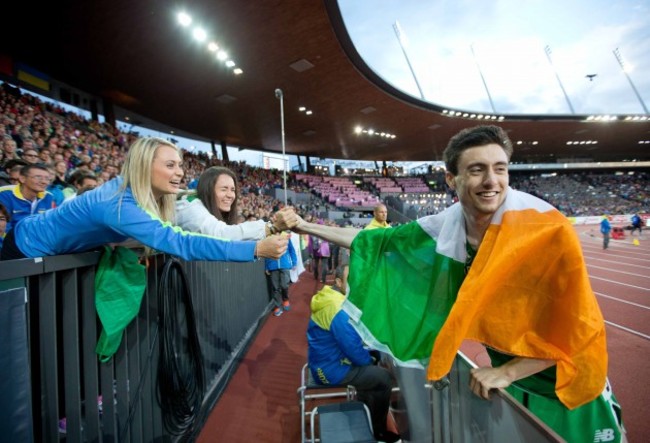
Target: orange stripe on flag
x,y
528,294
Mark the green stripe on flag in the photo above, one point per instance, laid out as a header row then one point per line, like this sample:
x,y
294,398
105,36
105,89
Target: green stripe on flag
x,y
401,290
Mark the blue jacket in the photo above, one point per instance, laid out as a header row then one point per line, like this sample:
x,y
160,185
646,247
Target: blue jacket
x,y
110,215
333,344
19,207
605,227
287,261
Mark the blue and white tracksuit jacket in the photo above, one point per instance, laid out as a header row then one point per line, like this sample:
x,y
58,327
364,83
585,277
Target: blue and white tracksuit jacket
x,y
19,207
109,214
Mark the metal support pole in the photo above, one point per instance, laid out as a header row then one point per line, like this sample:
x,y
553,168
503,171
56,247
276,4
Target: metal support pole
x,y
399,34
619,58
483,79
547,50
280,95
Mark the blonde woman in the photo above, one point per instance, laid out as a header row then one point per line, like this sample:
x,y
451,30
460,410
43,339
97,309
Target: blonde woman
x,y
139,204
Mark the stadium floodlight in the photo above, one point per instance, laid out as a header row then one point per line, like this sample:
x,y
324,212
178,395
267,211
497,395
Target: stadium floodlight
x,y
184,19
199,34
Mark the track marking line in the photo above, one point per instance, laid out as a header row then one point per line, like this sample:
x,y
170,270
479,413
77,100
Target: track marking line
x,y
643,267
617,271
619,283
621,300
632,331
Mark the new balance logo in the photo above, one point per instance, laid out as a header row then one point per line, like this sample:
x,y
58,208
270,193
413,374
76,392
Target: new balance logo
x,y
604,435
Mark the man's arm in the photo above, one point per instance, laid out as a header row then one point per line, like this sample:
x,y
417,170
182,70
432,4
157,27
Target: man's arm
x,y
334,234
482,380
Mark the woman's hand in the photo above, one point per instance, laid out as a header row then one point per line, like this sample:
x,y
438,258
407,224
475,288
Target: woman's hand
x,y
272,247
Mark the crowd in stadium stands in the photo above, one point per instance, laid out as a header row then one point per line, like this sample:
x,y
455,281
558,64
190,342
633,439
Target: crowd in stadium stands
x,y
589,193
81,154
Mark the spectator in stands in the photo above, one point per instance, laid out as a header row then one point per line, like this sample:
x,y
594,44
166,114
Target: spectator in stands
x,y
55,190
60,174
380,215
528,296
337,356
605,229
81,179
29,196
9,146
637,223
4,219
31,156
45,156
212,210
12,172
137,205
278,272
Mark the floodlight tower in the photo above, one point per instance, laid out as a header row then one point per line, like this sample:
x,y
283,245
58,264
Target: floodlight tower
x,y
619,59
401,38
547,50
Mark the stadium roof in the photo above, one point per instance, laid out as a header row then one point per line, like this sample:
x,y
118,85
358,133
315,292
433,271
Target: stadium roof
x,y
136,55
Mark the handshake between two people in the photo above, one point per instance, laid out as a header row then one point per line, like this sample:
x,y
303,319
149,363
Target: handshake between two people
x,y
275,245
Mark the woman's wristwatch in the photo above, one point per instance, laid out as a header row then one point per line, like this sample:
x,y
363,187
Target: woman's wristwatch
x,y
272,229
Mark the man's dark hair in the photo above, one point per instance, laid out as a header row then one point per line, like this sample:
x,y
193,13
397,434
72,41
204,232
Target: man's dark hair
x,y
10,164
4,212
205,192
471,138
78,176
25,169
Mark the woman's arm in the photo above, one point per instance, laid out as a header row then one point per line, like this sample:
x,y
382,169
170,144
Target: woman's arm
x,y
194,217
132,221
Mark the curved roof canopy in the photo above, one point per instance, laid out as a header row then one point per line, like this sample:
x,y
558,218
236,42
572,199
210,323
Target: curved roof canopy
x,y
137,56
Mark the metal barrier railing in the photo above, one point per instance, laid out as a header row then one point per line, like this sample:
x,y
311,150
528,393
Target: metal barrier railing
x,y
113,401
448,411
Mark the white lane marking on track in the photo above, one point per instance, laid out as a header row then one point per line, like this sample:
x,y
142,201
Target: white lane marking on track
x,y
644,267
632,331
619,283
617,271
616,253
621,300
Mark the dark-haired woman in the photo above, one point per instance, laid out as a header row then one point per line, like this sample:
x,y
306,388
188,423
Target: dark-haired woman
x,y
213,210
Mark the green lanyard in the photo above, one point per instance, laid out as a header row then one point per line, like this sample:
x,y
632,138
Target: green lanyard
x,y
471,253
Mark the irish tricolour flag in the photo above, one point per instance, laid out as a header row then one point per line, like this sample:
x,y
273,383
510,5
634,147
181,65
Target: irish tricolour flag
x,y
527,293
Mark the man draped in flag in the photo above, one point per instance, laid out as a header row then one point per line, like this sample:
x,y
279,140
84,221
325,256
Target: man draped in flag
x,y
500,267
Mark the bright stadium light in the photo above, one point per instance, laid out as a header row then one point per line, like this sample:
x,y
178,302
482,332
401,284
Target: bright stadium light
x,y
199,34
184,19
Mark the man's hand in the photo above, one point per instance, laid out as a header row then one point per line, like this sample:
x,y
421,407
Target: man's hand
x,y
482,380
272,247
300,222
285,219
